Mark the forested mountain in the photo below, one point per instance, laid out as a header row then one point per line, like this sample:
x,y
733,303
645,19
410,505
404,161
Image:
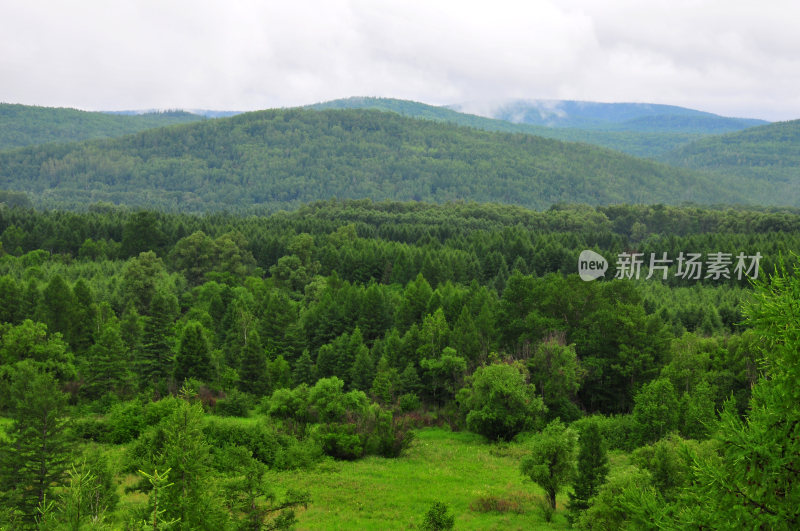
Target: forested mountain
x,y
281,158
634,117
635,133
24,125
766,159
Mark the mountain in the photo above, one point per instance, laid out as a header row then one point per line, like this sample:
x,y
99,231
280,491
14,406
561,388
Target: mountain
x,y
644,135
633,117
764,159
278,159
205,113
25,125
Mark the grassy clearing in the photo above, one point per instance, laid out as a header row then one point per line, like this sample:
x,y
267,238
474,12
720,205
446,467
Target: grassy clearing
x,y
459,469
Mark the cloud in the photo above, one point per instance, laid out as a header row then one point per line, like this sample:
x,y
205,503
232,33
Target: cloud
x,y
729,57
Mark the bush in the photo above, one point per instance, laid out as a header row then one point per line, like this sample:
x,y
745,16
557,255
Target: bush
x,y
339,441
235,404
259,437
499,403
438,518
125,422
488,503
409,402
386,436
91,429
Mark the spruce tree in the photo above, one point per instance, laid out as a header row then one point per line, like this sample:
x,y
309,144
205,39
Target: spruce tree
x,y
304,370
35,459
156,356
104,367
592,468
58,303
193,359
10,300
192,499
363,370
84,317
253,376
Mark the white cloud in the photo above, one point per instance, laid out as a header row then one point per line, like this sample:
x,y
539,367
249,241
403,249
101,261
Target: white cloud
x,y
729,57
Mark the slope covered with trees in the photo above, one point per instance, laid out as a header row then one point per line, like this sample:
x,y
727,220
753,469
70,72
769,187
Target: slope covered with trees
x,y
24,125
634,117
641,136
274,160
764,159
193,358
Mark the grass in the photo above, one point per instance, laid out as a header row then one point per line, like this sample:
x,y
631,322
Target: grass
x,y
473,478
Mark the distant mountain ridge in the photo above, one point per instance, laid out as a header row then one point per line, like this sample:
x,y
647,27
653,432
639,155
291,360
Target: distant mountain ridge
x,y
279,159
635,129
768,155
26,125
611,116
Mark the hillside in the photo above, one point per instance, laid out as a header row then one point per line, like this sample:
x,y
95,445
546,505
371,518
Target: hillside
x,y
768,156
634,117
281,158
642,136
24,125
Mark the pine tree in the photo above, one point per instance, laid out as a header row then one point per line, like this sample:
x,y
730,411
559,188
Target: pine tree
x,y
193,359
31,302
58,303
409,380
104,369
592,468
156,357
363,370
192,499
304,370
84,317
385,383
253,376
326,361
10,300
35,459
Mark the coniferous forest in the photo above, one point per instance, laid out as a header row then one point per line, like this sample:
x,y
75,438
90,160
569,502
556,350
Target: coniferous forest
x,y
354,364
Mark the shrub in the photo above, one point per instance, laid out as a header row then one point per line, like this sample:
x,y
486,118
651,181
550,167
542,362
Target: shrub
x,y
409,402
487,503
235,404
259,437
125,422
438,518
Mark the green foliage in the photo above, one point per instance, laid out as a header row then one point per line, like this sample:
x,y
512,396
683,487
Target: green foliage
x,y
24,125
499,404
755,476
767,154
438,518
193,359
657,410
591,469
192,499
222,164
551,462
556,372
35,458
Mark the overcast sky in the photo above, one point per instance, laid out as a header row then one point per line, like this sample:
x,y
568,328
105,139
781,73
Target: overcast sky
x,y
726,56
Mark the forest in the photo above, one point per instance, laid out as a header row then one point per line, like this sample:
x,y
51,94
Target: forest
x,y
266,161
227,371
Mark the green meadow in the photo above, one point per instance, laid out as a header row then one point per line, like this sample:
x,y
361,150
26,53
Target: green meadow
x,y
479,482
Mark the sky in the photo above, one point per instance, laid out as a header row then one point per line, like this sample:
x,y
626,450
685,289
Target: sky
x,y
729,57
